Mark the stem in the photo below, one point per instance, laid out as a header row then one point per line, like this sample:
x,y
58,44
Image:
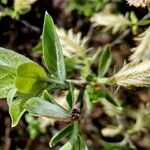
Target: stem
x,y
102,80
80,98
28,25
141,23
76,81
53,81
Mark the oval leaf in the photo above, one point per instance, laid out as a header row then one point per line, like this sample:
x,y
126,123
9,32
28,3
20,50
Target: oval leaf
x,y
40,107
16,110
46,96
70,97
104,62
61,134
111,99
29,76
52,52
9,61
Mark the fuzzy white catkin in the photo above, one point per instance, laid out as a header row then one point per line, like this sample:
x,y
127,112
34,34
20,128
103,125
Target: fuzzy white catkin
x,y
139,3
114,21
142,51
72,44
23,6
133,74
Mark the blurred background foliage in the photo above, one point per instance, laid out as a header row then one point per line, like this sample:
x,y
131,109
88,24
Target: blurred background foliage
x,y
84,28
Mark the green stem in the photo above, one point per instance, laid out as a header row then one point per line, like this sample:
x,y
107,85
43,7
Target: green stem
x,y
102,80
141,23
76,81
53,81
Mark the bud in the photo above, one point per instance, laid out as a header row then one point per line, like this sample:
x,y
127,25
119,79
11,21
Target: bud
x,y
111,131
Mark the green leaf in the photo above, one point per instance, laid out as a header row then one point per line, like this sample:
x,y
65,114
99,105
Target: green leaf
x,y
10,58
104,62
47,97
75,142
40,107
61,134
87,101
10,95
16,110
9,61
70,97
123,145
96,95
112,100
16,106
134,20
34,126
52,51
67,146
29,77
83,145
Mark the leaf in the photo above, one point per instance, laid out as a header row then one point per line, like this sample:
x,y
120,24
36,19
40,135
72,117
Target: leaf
x,y
10,58
97,94
9,61
52,51
47,97
16,106
104,62
29,76
16,110
83,145
73,139
75,142
87,101
39,107
34,126
70,97
61,134
123,145
67,146
11,95
111,99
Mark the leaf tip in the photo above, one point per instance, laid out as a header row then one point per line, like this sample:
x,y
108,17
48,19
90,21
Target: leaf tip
x,y
119,108
50,144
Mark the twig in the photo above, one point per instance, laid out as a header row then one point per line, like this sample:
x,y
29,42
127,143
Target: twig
x,y
79,101
27,24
